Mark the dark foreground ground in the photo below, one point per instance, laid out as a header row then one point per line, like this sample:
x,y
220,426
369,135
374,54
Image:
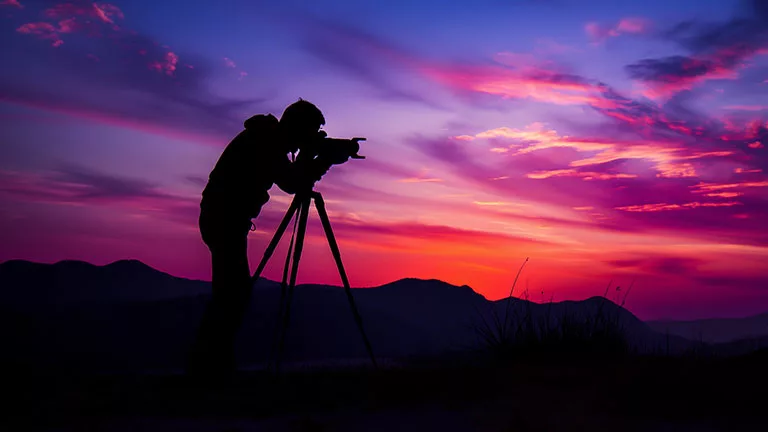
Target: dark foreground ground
x,y
637,394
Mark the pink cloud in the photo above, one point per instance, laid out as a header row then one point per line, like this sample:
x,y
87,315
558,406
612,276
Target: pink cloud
x,y
677,84
519,78
583,175
241,74
668,160
42,30
106,12
676,170
746,171
167,65
724,194
421,180
74,17
713,187
13,3
633,25
68,25
103,12
599,33
80,187
667,207
422,177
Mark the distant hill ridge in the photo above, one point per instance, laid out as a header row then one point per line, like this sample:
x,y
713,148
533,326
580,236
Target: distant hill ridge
x,y
64,271
128,315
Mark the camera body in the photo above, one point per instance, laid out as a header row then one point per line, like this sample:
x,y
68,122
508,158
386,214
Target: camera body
x,y
332,151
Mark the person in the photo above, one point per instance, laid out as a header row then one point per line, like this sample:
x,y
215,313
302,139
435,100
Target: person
x,y
237,189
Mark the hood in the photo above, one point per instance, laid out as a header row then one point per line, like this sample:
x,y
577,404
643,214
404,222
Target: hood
x,y
260,121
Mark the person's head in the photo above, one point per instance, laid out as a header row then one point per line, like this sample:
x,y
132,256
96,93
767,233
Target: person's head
x,y
300,124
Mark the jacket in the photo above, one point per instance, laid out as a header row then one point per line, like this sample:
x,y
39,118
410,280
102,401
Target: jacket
x,y
248,167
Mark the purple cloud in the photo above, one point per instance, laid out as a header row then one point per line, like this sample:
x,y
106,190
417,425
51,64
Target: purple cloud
x,y
361,55
12,3
80,186
660,265
113,74
718,51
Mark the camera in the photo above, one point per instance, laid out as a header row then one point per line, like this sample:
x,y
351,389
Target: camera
x,y
333,151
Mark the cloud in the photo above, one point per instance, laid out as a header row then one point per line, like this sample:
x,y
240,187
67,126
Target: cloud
x,y
660,265
80,186
167,65
717,51
116,75
667,207
599,33
104,12
74,184
695,135
43,31
421,180
745,30
362,55
541,164
667,148
729,281
508,179
373,60
230,64
536,137
12,3
703,188
352,228
585,175
670,75
535,83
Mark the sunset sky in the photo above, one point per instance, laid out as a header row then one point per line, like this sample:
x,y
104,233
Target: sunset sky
x,y
606,140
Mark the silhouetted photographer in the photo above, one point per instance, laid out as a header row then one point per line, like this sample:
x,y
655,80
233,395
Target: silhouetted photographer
x,y
237,189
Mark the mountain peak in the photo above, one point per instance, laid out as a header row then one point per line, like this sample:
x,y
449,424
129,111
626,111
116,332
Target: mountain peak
x,y
130,264
421,281
413,285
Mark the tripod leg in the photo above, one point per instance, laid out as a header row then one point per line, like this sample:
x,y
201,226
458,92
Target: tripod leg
x,y
276,238
303,216
283,289
320,204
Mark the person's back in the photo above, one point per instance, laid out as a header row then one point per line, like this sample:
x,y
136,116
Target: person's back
x,y
237,186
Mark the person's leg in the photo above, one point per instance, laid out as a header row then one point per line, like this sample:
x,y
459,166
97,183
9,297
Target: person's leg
x,y
214,348
230,298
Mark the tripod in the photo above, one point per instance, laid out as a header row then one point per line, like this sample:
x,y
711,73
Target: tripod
x,y
300,204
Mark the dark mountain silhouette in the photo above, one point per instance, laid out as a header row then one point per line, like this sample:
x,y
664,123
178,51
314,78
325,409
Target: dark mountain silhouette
x,y
126,315
716,330
76,282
